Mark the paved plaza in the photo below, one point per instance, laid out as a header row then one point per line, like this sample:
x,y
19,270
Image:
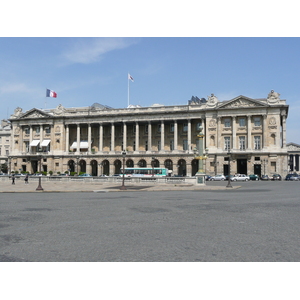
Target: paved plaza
x,y
254,221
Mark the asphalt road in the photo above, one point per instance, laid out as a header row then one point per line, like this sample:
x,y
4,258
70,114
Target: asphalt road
x,y
258,222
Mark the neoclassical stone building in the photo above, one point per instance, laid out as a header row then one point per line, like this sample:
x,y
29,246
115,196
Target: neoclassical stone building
x,y
91,139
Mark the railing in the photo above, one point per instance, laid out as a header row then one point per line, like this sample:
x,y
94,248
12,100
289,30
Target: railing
x,y
111,179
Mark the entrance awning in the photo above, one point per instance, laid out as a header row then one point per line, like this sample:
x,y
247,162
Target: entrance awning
x,y
83,145
45,143
34,143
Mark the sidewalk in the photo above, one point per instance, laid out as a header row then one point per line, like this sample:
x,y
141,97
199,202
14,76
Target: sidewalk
x,y
62,187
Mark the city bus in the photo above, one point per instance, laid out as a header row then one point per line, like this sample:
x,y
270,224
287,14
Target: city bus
x,y
144,172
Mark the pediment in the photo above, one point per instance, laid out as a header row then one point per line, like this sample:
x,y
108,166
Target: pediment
x,y
35,113
293,147
241,102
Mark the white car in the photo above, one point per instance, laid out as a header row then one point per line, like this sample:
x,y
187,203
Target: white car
x,y
240,177
217,177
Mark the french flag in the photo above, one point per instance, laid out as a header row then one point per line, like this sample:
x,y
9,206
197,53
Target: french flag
x,y
130,77
50,93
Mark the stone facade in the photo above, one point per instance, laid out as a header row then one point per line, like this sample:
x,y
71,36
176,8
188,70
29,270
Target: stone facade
x,y
293,157
91,139
5,141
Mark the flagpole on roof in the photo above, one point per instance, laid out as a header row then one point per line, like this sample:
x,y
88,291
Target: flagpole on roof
x,y
128,90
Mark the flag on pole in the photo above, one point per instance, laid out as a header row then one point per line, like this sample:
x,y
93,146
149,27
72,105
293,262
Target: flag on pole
x,y
50,93
130,77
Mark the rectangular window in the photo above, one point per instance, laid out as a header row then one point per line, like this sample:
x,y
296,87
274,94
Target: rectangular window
x,y
146,145
172,127
257,144
257,121
227,143
227,122
171,145
158,145
27,130
159,128
185,145
48,129
146,129
185,127
37,129
242,143
273,167
242,122
26,146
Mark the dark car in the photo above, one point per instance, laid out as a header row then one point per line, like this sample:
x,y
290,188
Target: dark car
x,y
293,177
265,177
254,177
276,177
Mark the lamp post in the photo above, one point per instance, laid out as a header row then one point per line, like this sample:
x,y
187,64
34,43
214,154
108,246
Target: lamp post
x,y
229,181
123,179
198,154
39,188
152,163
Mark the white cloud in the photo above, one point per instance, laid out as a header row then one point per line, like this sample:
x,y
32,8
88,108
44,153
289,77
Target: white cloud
x,y
87,50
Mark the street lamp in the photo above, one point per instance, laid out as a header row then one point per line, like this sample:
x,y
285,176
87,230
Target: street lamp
x,y
123,179
229,181
39,188
198,154
152,163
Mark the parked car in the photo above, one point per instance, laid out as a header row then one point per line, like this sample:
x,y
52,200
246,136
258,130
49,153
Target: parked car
x,y
240,177
265,177
207,177
294,177
276,177
217,177
254,177
226,177
85,175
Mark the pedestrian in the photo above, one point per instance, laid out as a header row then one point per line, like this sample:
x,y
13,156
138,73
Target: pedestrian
x,y
13,178
26,179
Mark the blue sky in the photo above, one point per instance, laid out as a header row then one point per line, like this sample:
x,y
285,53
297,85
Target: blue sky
x,y
167,71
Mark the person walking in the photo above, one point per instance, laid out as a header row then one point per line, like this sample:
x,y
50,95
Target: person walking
x,y
26,179
13,178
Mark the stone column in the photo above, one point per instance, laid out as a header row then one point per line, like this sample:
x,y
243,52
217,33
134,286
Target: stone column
x,y
101,138
249,144
89,138
41,136
30,134
219,134
189,136
78,138
112,137
21,146
67,138
162,136
175,135
294,163
284,130
124,136
265,131
233,133
137,145
149,136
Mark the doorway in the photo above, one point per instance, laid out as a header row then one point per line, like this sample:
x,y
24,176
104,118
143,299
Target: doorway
x,y
257,170
242,166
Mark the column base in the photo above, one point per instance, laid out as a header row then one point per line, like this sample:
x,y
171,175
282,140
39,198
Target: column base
x,y
200,179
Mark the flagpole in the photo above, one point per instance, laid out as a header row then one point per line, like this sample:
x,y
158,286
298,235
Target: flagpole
x,y
128,89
